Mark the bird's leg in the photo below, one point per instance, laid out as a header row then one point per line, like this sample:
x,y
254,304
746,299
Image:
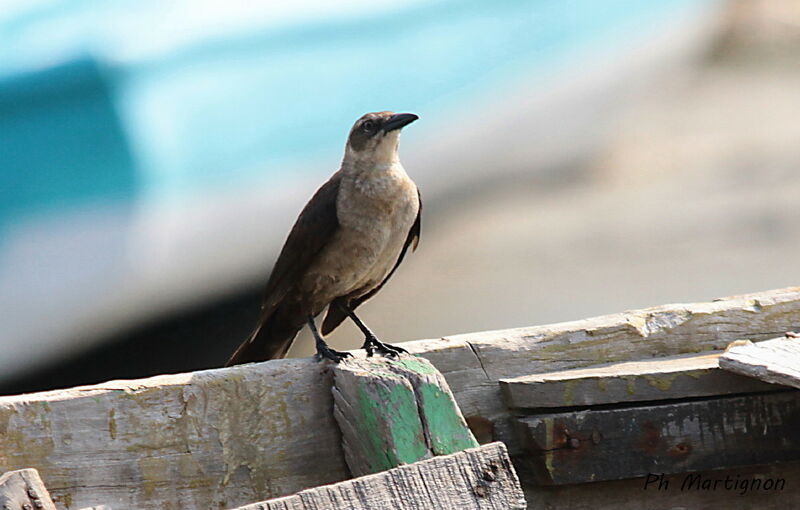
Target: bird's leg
x,y
323,351
371,342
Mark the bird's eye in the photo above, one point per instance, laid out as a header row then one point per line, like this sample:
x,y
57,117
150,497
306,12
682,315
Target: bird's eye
x,y
368,126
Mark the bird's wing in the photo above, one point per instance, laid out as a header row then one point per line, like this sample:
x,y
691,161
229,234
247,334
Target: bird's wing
x,y
312,231
336,315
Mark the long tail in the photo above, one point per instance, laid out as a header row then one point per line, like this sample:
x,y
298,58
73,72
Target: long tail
x,y
271,339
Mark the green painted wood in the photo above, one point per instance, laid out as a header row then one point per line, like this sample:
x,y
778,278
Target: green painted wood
x,y
445,425
389,424
395,411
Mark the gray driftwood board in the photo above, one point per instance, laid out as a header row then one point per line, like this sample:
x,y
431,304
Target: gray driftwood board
x,y
480,479
696,435
231,436
774,361
676,377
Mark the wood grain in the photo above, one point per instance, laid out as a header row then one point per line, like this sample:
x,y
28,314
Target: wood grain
x,y
629,442
666,330
214,438
774,361
226,437
676,377
23,489
480,479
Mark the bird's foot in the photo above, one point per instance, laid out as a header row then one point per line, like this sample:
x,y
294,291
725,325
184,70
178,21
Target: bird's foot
x,y
325,352
373,345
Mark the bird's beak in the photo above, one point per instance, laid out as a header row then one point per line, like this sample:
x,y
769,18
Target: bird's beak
x,y
399,120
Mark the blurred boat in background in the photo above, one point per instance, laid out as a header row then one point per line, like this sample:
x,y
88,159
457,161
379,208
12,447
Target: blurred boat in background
x,y
153,154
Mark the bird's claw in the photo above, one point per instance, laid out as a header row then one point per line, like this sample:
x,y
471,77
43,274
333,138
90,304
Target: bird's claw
x,y
325,352
372,345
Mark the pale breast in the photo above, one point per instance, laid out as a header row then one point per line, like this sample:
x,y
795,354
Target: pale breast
x,y
375,213
401,222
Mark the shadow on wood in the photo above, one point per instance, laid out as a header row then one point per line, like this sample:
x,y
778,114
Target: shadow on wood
x,y
630,442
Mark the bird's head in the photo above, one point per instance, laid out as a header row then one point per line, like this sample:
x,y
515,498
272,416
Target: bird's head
x,y
375,136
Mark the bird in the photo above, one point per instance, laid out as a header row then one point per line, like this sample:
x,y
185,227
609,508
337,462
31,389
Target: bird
x,y
347,242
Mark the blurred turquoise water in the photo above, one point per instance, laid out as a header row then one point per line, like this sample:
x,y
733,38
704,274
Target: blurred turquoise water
x,y
148,100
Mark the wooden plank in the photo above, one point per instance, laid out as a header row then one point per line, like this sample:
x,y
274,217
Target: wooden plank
x,y
774,361
23,489
395,411
480,478
612,444
634,335
216,438
200,440
684,376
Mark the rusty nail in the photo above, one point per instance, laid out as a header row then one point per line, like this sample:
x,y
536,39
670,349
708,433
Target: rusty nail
x,y
32,493
38,503
489,476
480,491
574,442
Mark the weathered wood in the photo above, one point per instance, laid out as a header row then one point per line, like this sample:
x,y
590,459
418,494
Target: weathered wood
x,y
377,414
480,478
474,362
774,361
395,411
684,376
23,489
230,436
215,438
612,444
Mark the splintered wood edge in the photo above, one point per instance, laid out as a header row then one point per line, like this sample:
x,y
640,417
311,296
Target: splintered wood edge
x,y
24,487
775,361
665,365
655,379
479,478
